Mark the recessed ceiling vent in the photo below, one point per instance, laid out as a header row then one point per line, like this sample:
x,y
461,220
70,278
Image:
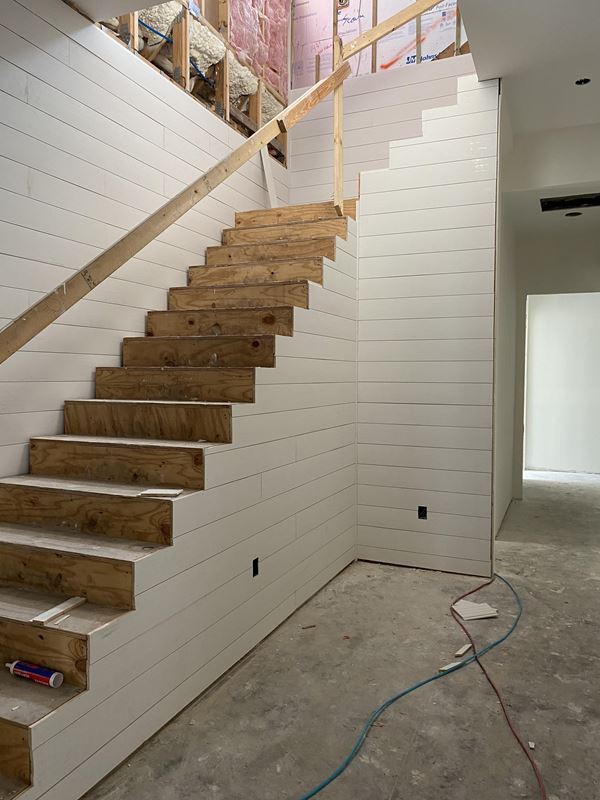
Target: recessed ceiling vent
x,y
570,202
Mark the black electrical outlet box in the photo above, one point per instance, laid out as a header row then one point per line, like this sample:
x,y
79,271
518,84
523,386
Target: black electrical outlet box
x,y
254,567
422,512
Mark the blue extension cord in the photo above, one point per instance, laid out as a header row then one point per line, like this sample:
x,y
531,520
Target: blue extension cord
x,y
170,41
379,711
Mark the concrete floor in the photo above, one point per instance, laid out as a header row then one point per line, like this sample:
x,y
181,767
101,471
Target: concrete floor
x,y
284,718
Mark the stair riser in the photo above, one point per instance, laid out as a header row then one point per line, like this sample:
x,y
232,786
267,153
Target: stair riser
x,y
287,233
102,581
112,463
241,297
210,386
15,749
246,253
307,212
226,322
212,351
302,269
186,423
60,650
147,519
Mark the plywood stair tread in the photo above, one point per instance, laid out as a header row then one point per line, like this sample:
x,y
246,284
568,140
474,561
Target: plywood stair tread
x,y
83,544
70,485
209,287
193,403
24,703
10,789
21,605
303,212
125,441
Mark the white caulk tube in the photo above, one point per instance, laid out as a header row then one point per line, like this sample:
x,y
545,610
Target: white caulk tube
x,y
35,673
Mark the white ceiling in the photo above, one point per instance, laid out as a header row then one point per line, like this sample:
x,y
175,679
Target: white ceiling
x,y
526,213
539,47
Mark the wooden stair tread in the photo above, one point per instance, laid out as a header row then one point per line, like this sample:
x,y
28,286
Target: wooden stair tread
x,y
304,211
209,287
100,440
192,403
9,788
21,605
58,539
70,485
23,702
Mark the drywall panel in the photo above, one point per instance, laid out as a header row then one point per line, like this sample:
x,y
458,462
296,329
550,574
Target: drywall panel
x,y
92,140
562,388
426,340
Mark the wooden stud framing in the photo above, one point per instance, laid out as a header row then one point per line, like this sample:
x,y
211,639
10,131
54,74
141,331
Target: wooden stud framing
x,y
255,105
457,39
317,67
54,304
387,26
181,48
222,87
374,20
224,18
338,131
418,42
128,30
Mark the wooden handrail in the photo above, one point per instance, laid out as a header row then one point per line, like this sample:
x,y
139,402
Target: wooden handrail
x,y
394,22
53,305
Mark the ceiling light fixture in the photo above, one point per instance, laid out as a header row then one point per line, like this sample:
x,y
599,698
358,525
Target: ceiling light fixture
x,y
583,81
573,214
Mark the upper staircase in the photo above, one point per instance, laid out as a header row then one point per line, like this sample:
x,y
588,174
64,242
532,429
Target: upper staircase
x,y
94,502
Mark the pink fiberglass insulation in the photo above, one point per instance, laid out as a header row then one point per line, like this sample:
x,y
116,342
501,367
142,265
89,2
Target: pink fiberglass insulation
x,y
258,30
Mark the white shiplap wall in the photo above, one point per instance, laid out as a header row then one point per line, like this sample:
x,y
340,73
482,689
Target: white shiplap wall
x,y
426,335
92,140
378,109
284,492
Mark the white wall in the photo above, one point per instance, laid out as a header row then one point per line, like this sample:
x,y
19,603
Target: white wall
x,y
505,339
562,425
92,140
426,331
548,264
378,109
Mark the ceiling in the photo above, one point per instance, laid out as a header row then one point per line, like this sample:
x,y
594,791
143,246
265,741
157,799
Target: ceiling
x,y
526,214
539,47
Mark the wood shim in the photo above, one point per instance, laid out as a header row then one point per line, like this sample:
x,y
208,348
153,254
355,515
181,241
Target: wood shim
x,y
57,611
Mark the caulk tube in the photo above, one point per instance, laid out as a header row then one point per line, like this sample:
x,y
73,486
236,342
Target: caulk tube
x,y
35,673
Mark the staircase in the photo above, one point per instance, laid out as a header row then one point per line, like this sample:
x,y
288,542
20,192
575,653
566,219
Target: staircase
x,y
94,504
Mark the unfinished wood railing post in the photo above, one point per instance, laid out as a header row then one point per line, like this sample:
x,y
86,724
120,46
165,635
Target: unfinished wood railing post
x,y
222,68
40,315
181,48
338,134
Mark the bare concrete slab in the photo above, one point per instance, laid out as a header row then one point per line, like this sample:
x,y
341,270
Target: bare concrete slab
x,y
285,717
